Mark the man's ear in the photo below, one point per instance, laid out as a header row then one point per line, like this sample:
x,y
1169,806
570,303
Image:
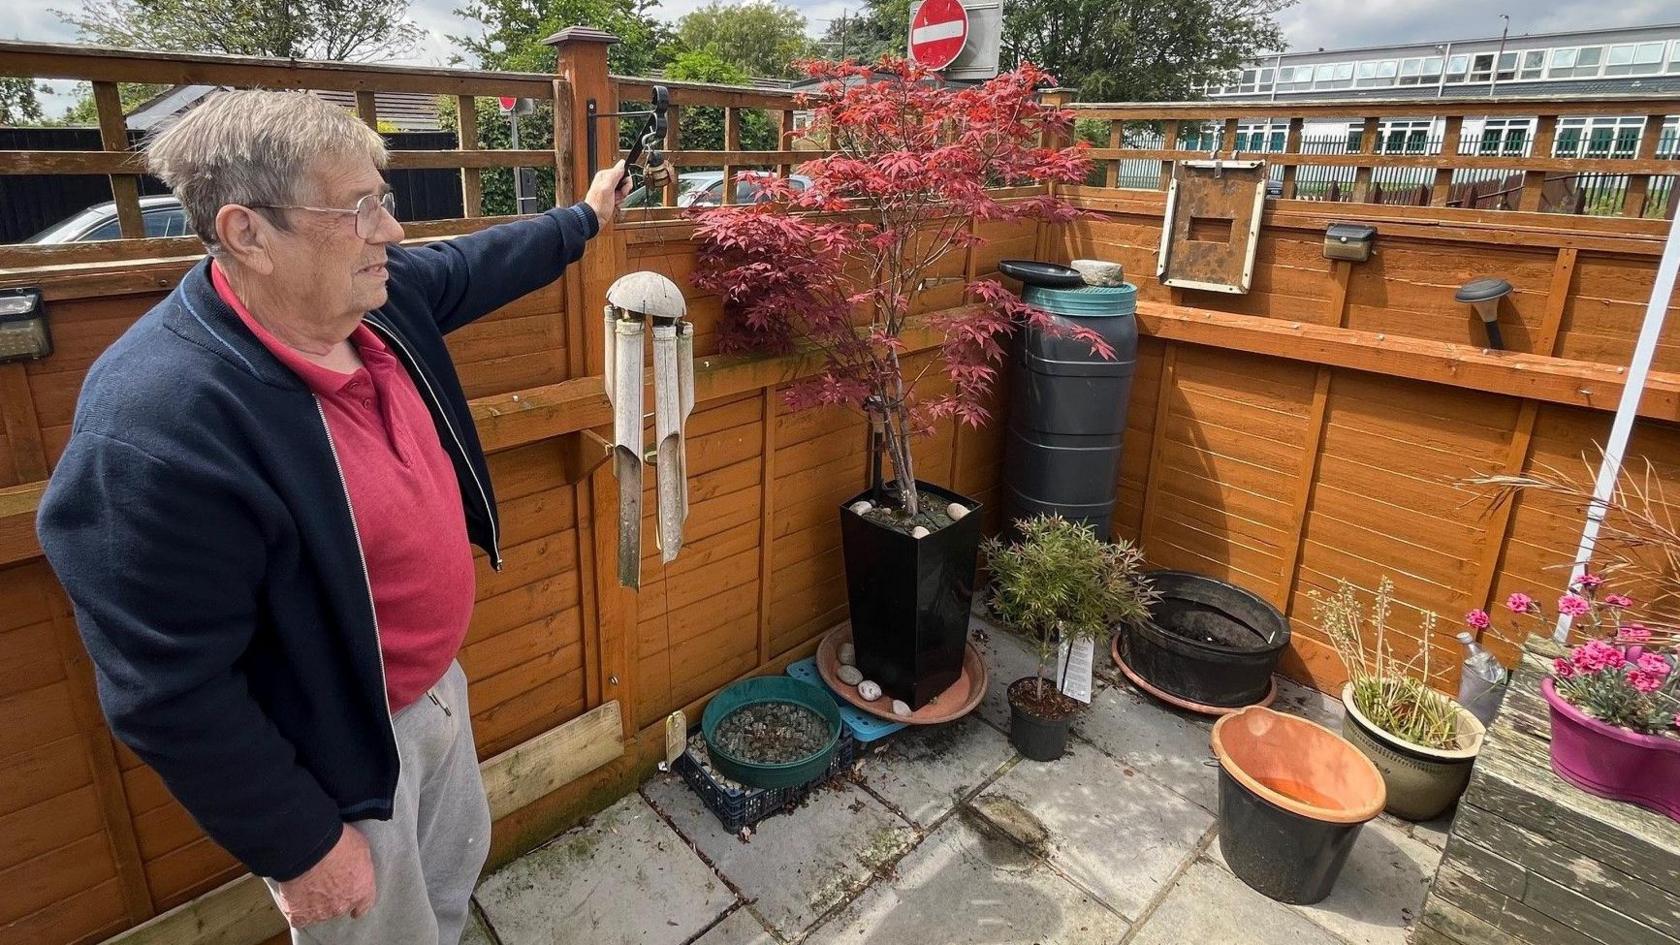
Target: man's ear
x,y
246,237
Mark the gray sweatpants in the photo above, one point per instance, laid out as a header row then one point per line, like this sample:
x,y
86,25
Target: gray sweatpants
x,y
427,857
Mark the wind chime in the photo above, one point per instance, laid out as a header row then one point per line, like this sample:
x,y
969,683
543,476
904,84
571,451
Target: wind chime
x,y
634,301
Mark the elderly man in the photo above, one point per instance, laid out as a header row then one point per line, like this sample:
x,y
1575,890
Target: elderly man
x,y
265,514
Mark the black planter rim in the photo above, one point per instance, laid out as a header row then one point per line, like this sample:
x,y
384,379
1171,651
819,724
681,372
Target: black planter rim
x,y
1272,648
948,495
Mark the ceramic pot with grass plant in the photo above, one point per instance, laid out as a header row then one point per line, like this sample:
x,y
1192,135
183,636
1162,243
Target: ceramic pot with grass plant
x,y
1059,584
1423,742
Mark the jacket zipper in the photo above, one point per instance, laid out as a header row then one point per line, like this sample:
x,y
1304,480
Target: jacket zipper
x,y
373,613
483,494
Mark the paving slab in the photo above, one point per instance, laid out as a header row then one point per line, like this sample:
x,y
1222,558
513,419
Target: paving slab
x,y
624,878
925,771
799,865
1308,703
1381,890
1007,659
474,933
966,886
738,928
1434,832
1112,829
1209,906
1145,736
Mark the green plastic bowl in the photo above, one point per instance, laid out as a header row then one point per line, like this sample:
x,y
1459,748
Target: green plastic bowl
x,y
771,689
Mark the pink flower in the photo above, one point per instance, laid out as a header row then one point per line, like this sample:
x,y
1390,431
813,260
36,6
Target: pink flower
x,y
1478,619
1652,664
1562,668
1633,633
1644,682
1596,655
1618,600
1573,604
1589,581
1519,603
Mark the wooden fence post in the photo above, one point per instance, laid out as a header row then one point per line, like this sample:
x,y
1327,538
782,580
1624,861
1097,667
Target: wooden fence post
x,y
582,61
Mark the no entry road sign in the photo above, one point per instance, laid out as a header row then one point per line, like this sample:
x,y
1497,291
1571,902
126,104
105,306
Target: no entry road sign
x,y
938,33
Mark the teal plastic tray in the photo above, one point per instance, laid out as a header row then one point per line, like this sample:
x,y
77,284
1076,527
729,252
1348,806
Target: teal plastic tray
x,y
770,689
864,727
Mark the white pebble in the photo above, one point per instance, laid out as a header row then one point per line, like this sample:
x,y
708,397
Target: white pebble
x,y
860,507
956,510
900,707
850,675
870,691
848,654
918,532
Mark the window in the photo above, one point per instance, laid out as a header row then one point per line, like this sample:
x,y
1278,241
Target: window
x,y
1674,56
1457,67
1405,136
1599,137
1507,137
1482,69
1587,61
1630,59
1507,66
1533,64
1563,63
1322,73
1411,71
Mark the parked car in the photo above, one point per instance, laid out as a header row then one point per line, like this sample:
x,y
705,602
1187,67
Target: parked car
x,y
705,189
162,216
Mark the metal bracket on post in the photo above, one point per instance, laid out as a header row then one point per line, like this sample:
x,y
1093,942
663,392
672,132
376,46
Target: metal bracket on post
x,y
651,138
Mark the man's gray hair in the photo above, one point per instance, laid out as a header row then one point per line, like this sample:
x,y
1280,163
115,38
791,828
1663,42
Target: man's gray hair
x,y
253,148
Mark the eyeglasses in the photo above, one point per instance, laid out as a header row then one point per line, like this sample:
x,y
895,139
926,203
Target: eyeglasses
x,y
366,211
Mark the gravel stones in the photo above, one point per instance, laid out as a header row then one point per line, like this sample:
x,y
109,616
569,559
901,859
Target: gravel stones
x,y
850,675
900,707
772,733
870,691
848,655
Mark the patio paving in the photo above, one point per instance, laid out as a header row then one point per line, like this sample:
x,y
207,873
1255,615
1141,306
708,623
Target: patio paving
x,y
944,836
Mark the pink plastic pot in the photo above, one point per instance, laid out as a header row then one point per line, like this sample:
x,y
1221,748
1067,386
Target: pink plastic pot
x,y
1613,762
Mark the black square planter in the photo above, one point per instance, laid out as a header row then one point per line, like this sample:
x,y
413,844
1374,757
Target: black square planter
x,y
910,599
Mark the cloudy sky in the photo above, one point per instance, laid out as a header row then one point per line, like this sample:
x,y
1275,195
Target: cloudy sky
x,y
1310,24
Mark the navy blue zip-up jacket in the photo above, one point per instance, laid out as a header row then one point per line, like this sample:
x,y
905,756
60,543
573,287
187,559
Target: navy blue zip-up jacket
x,y
199,522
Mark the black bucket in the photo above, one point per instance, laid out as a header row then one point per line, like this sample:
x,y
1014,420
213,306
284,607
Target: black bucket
x,y
1067,415
910,599
1292,797
1207,642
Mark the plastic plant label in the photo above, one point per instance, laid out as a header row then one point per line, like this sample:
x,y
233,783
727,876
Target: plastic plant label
x,y
676,736
1073,668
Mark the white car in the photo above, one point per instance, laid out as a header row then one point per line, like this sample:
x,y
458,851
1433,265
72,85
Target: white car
x,y
705,189
162,216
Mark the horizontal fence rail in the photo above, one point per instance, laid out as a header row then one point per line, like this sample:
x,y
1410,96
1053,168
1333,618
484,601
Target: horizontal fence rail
x,y
1598,155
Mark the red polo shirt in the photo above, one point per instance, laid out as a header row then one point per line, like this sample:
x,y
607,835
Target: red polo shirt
x,y
405,500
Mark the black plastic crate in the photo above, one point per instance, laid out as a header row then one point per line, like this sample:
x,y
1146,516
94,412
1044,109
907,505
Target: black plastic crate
x,y
737,805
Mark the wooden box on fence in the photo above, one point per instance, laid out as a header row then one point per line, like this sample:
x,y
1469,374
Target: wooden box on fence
x,y
1533,859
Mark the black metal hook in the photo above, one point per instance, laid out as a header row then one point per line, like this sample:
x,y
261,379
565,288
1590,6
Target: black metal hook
x,y
651,140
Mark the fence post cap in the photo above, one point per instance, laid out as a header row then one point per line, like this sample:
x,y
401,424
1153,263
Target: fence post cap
x,y
580,34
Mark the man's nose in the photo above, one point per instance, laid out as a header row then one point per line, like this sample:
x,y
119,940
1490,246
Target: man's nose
x,y
388,229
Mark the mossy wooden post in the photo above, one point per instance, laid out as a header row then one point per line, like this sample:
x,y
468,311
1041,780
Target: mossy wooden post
x,y
1533,860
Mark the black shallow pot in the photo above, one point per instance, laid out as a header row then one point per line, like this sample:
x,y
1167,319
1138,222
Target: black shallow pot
x,y
1038,739
1207,642
910,599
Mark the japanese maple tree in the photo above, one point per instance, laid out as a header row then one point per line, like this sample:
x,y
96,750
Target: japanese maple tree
x,y
835,267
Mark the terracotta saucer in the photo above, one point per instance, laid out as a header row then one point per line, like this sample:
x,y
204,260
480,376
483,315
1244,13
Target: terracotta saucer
x,y
948,706
1170,699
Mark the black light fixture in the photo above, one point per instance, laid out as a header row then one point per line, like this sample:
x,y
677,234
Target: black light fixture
x,y
23,325
1483,294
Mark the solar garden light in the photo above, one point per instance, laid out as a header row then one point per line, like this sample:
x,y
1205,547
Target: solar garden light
x,y
632,302
1483,294
23,325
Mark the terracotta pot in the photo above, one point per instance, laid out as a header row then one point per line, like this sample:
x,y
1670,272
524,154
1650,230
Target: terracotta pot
x,y
1292,797
1422,782
1611,761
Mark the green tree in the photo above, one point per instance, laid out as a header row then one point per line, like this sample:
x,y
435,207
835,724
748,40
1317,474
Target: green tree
x,y
760,36
1139,50
882,28
18,104
513,32
347,30
702,128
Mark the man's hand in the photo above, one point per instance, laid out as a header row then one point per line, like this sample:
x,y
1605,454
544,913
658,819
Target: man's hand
x,y
607,191
341,884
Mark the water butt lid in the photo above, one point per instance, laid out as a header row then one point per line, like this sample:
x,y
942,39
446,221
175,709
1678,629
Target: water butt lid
x,y
1483,289
1089,300
1031,272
